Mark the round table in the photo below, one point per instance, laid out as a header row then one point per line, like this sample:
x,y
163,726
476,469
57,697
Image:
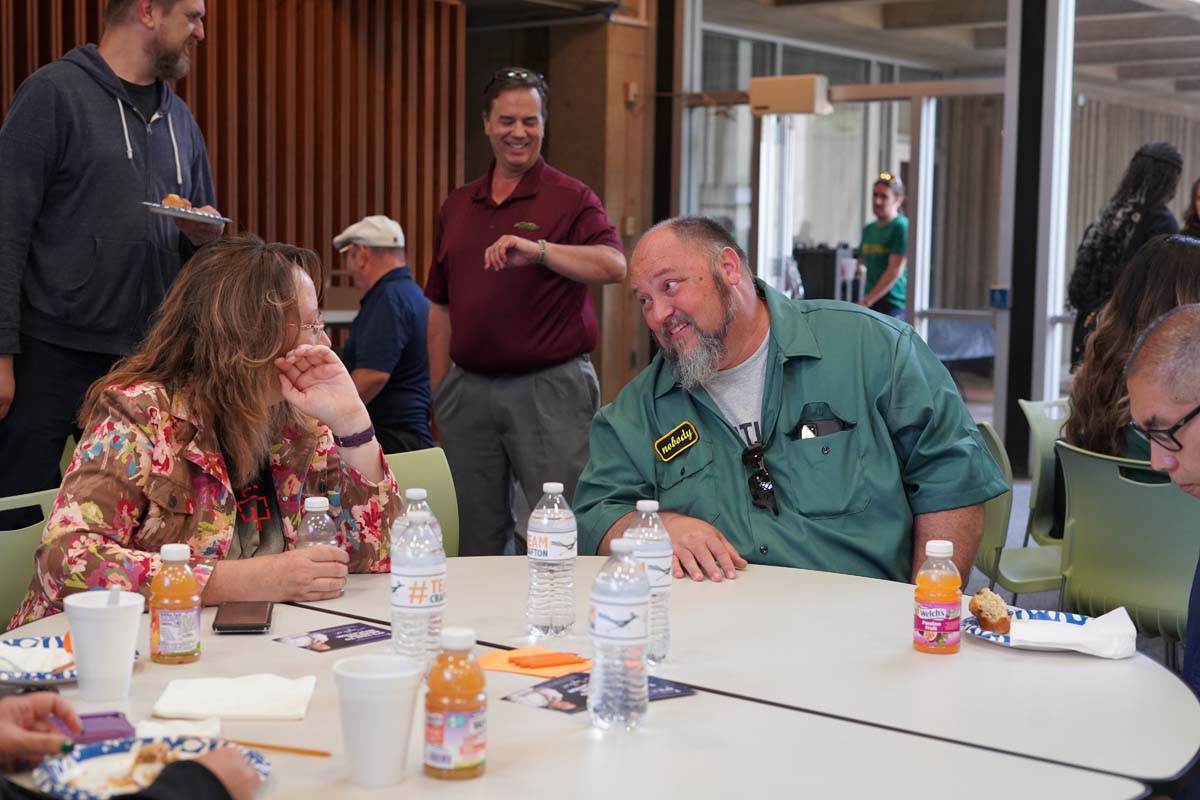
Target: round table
x,y
731,737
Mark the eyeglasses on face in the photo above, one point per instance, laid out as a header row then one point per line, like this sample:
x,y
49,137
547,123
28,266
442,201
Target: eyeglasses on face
x,y
762,486
315,328
1165,437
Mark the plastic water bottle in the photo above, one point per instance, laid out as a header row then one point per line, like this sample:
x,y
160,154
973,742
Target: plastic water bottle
x,y
317,526
618,689
415,500
418,587
553,541
654,552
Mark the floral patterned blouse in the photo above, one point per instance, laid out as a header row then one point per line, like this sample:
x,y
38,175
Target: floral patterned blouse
x,y
147,475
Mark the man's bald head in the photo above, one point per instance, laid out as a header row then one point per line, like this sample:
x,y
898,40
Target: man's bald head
x,y
1168,352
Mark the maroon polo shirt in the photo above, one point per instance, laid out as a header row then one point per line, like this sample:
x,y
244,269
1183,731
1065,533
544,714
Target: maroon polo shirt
x,y
518,319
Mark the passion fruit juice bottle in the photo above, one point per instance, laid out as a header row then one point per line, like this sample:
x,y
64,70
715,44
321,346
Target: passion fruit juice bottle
x,y
938,613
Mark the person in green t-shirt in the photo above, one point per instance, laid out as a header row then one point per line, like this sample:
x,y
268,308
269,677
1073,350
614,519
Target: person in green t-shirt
x,y
884,249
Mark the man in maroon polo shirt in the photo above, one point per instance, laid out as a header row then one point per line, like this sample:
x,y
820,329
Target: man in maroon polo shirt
x,y
511,320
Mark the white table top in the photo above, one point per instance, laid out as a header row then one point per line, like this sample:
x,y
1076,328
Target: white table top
x,y
748,748
841,645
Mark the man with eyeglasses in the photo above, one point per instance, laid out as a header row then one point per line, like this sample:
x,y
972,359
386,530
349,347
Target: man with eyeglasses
x,y
386,353
1163,379
804,434
511,320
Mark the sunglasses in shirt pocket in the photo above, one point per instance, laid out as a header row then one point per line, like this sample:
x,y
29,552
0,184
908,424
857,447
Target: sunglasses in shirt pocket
x,y
830,473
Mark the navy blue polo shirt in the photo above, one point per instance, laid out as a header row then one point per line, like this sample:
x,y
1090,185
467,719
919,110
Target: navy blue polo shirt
x,y
389,335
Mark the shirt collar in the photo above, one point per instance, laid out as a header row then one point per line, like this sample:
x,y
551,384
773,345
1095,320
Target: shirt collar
x,y
790,333
530,182
394,274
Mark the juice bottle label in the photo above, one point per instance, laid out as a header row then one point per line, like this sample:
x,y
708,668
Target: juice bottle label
x,y
620,622
937,623
455,739
174,632
551,540
422,588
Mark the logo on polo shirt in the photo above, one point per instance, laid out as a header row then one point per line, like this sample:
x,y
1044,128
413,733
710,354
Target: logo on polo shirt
x,y
676,440
527,226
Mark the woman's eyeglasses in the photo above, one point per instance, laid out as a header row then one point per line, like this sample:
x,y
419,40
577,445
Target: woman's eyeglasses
x,y
315,328
762,486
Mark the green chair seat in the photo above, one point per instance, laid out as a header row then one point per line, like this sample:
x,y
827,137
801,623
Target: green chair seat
x,y
1017,569
1128,542
428,469
17,549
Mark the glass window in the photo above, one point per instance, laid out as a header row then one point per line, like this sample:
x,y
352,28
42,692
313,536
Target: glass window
x,y
730,62
721,150
839,69
914,75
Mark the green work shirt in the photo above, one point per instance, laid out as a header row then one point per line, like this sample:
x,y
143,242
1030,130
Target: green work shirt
x,y
879,242
846,498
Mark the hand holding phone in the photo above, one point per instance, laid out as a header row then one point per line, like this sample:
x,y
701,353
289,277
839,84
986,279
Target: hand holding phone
x,y
244,617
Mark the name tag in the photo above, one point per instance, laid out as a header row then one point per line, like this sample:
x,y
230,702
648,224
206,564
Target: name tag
x,y
676,440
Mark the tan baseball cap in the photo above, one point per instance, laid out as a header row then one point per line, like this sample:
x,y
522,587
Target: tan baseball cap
x,y
373,231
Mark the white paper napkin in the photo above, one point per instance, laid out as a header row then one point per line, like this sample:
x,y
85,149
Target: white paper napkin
x,y
1109,636
261,696
32,659
153,728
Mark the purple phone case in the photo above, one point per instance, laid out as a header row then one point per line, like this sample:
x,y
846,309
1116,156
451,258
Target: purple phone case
x,y
99,726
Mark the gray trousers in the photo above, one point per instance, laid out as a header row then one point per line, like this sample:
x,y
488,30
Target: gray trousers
x,y
531,427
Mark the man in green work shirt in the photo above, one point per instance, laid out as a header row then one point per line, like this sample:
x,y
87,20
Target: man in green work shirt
x,y
884,249
804,434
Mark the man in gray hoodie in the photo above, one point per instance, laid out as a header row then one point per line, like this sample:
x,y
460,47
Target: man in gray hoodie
x,y
83,264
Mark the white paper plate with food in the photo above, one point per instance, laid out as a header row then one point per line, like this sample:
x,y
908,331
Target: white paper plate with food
x,y
120,766
971,626
35,660
186,213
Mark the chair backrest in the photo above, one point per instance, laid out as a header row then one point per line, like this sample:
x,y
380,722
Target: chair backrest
x,y
1046,419
17,549
998,510
1127,543
429,470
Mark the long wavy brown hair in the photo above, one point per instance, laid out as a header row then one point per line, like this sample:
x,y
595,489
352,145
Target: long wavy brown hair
x,y
231,311
1164,274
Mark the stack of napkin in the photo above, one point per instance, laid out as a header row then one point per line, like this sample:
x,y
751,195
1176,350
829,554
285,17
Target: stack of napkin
x,y
1109,636
261,696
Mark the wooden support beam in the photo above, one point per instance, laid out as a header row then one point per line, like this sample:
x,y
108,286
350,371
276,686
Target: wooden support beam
x,y
1192,85
984,13
1138,53
1167,27
1168,69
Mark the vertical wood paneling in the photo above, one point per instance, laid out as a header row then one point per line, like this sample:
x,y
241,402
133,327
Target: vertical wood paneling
x,y
315,112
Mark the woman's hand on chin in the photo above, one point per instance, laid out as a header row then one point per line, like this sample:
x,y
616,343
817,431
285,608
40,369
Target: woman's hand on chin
x,y
315,381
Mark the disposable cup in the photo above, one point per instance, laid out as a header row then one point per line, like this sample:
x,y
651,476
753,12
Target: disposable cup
x,y
104,632
378,696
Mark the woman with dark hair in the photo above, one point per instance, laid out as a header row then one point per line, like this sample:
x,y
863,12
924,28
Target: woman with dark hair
x,y
1191,217
212,433
1135,214
1164,274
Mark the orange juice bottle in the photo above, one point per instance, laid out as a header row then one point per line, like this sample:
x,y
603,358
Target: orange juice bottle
x,y
455,710
174,609
938,613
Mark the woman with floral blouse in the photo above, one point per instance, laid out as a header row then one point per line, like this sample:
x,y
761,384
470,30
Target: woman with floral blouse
x,y
232,412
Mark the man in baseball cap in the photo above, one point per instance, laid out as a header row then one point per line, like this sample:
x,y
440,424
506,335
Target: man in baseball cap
x,y
386,353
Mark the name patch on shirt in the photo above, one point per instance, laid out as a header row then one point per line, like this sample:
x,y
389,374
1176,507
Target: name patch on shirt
x,y
676,440
527,226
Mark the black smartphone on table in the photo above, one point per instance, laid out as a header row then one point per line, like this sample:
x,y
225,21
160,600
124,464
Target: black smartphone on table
x,y
244,617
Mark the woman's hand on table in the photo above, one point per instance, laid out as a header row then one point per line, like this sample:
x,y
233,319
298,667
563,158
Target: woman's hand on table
x,y
307,574
232,770
315,381
26,731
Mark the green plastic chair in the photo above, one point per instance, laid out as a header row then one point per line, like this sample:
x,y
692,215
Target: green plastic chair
x,y
1046,419
17,549
429,470
1128,543
1017,569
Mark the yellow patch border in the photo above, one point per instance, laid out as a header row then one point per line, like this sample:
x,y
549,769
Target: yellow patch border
x,y
666,437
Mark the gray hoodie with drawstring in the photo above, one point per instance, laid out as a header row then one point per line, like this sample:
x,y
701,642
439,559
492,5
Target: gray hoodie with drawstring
x,y
83,264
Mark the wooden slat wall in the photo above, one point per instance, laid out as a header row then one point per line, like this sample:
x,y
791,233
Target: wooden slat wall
x,y
315,112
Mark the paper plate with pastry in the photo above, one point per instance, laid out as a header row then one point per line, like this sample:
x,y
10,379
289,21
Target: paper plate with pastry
x,y
41,660
992,620
120,766
175,206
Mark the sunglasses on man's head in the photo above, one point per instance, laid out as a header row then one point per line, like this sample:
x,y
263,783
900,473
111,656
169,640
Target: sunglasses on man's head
x,y
762,486
501,75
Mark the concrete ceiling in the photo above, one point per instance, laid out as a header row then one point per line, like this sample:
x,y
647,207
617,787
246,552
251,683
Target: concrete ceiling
x,y
1152,46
